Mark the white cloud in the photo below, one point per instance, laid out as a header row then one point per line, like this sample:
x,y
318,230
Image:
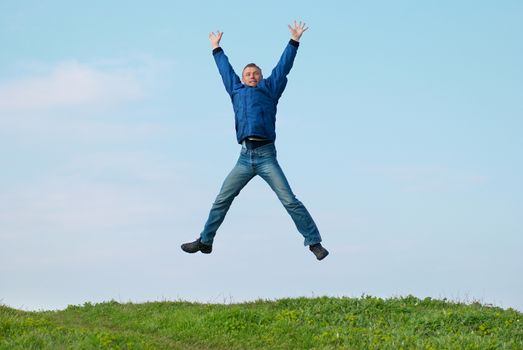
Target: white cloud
x,y
99,193
69,84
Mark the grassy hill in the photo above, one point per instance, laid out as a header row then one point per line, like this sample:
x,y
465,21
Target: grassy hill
x,y
301,323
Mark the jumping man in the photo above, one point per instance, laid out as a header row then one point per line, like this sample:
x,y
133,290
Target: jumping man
x,y
254,102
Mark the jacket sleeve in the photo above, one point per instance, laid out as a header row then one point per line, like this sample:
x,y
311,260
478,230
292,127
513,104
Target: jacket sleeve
x,y
278,79
229,77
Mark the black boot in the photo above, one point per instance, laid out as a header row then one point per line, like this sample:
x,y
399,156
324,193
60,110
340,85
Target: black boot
x,y
319,251
196,246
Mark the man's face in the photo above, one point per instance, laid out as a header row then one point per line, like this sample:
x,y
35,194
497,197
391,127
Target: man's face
x,y
251,76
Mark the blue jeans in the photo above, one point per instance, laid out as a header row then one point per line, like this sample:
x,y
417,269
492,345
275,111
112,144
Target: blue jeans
x,y
259,161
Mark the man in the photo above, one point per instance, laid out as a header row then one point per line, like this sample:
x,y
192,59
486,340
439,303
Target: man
x,y
254,103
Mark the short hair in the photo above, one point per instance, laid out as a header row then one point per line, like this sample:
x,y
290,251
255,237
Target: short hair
x,y
251,65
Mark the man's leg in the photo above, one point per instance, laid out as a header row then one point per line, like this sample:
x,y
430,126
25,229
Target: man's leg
x,y
271,172
239,176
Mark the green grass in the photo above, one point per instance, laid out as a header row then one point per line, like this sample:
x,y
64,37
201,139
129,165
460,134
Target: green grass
x,y
301,323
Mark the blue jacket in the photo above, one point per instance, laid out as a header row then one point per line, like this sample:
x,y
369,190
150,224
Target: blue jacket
x,y
255,107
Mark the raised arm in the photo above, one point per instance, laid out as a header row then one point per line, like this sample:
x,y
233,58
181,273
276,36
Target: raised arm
x,y
229,77
278,78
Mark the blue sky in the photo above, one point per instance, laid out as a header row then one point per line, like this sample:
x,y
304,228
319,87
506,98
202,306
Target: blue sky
x,y
400,130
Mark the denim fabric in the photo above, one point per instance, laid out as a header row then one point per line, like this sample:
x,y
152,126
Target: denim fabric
x,y
260,161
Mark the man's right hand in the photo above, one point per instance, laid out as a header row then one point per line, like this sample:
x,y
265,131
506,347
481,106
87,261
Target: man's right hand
x,y
215,38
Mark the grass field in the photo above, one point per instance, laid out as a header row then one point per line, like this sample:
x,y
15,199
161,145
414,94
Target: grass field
x,y
300,323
